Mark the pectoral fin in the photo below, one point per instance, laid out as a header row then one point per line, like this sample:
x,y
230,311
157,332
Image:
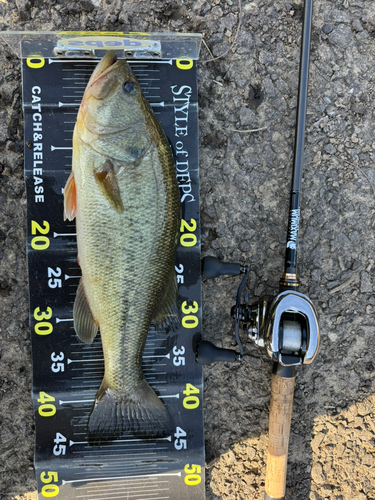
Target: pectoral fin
x,y
70,198
84,324
107,182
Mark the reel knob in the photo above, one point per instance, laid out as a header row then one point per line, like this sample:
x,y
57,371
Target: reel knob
x,y
213,267
208,353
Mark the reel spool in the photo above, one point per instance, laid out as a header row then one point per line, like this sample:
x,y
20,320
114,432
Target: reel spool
x,y
292,333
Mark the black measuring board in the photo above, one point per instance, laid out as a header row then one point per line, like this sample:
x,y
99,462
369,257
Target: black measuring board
x,y
68,373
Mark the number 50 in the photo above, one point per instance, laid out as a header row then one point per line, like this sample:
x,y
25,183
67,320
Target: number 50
x,y
49,490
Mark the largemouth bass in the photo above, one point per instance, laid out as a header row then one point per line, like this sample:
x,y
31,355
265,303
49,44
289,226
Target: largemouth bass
x,y
124,195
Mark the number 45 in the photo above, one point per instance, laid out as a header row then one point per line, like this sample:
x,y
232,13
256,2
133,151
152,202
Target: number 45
x,y
179,443
59,449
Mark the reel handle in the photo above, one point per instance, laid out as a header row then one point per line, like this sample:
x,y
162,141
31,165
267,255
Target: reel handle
x,y
208,353
282,391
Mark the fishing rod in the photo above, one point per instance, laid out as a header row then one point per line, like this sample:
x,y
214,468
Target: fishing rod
x,y
286,325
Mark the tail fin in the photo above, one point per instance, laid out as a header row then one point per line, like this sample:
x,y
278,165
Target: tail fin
x,y
116,413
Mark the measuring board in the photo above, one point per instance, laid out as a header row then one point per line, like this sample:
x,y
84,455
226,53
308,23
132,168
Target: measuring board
x,y
66,372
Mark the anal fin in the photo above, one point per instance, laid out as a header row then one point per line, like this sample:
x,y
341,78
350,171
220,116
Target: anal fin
x,y
84,324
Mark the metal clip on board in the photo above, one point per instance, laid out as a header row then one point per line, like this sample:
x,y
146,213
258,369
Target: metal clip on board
x,y
287,325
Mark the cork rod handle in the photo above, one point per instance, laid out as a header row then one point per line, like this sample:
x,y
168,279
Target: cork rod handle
x,y
282,390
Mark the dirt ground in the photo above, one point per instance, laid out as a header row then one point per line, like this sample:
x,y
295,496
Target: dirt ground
x,y
245,179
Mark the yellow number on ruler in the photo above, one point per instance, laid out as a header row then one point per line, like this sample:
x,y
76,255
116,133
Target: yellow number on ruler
x,y
49,490
35,62
192,477
46,409
186,239
40,242
43,327
190,402
184,63
189,321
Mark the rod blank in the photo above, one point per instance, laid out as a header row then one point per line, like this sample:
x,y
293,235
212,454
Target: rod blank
x,y
293,224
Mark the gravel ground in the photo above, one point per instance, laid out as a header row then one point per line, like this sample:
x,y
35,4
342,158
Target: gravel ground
x,y
245,178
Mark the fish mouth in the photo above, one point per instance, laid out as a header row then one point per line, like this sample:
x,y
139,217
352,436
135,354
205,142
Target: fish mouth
x,y
108,60
105,66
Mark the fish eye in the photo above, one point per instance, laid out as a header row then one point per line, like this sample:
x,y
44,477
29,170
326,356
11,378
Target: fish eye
x,y
129,88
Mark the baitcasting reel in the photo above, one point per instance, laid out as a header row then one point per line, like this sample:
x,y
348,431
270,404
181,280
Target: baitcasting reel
x,y
286,325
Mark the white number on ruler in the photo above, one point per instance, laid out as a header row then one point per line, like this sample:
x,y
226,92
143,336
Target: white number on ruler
x,y
59,449
179,443
56,366
54,282
178,360
179,271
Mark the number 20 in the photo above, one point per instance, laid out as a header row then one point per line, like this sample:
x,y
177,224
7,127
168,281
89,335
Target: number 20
x,y
40,242
188,239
